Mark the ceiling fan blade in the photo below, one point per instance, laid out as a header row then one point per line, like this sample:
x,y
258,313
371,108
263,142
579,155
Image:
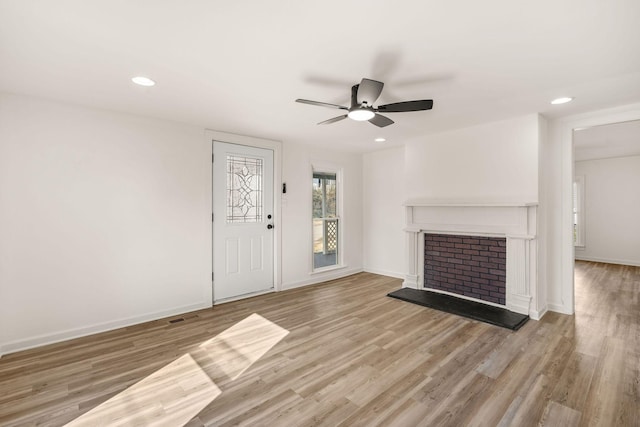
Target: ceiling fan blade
x,y
400,107
369,91
335,119
381,121
321,104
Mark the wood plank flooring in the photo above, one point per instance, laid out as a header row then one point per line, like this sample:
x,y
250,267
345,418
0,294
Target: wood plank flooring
x,y
344,354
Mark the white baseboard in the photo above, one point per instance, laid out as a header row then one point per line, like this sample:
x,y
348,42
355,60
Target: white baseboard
x,y
558,308
56,337
608,261
384,273
321,277
537,314
518,303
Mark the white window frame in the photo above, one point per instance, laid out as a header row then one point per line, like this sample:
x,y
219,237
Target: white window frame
x,y
330,169
578,211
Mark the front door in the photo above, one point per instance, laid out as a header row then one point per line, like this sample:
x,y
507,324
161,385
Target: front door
x,y
242,220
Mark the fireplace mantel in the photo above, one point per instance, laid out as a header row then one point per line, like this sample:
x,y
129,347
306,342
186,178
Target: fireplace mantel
x,y
514,220
466,202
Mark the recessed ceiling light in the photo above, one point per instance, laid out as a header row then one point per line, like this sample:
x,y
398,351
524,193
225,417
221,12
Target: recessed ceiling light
x,y
562,100
143,81
379,140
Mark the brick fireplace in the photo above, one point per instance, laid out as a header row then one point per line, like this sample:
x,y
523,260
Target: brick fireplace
x,y
473,266
484,251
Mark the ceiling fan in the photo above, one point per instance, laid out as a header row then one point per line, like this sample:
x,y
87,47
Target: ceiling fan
x,y
363,96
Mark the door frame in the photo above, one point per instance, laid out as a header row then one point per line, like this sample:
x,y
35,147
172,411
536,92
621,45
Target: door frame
x,y
563,136
276,146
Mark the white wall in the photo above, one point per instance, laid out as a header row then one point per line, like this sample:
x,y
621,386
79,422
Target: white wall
x,y
493,161
490,163
612,209
297,262
383,212
548,200
93,204
104,218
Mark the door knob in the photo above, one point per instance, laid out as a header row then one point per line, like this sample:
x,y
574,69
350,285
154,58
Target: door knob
x,y
269,226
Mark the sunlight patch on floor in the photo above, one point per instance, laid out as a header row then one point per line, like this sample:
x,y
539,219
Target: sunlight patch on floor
x,y
176,393
170,396
237,348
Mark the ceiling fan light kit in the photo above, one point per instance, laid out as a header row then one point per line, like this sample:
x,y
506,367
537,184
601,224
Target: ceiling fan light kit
x,y
363,96
361,114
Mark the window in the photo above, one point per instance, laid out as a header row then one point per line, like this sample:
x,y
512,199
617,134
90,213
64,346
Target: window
x,y
578,211
325,221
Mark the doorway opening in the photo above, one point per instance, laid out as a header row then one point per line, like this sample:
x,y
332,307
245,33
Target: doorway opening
x,y
605,206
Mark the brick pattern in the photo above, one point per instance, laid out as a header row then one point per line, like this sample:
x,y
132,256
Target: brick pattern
x,y
472,266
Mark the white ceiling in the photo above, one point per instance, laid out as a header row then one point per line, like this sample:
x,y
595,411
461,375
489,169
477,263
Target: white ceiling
x,y
602,142
238,66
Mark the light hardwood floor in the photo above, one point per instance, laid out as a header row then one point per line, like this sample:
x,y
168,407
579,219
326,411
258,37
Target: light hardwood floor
x,y
341,354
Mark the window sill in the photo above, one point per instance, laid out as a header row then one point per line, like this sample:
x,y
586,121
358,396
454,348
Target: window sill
x,y
326,269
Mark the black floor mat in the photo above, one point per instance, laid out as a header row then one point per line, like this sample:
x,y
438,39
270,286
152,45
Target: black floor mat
x,y
471,309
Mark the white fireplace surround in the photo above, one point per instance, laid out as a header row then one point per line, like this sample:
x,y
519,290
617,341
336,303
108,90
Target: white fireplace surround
x,y
514,221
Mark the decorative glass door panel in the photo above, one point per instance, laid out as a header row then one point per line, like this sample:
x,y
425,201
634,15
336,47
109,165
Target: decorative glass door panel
x,y
244,189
